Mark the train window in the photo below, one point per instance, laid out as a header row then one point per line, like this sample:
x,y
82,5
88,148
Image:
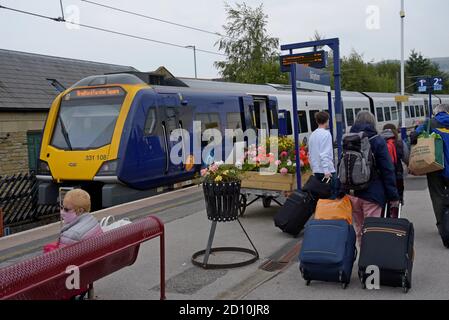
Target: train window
x,y
208,120
380,114
417,111
233,120
407,111
357,110
421,108
387,113
394,113
302,117
313,124
170,119
412,112
426,109
150,122
349,117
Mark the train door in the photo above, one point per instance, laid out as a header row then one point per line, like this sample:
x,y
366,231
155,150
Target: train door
x,y
170,120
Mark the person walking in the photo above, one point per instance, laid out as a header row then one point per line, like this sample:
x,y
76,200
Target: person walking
x,y
438,182
321,153
381,188
398,151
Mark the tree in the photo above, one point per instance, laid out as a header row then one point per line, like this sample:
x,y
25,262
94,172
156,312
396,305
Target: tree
x,y
252,55
417,66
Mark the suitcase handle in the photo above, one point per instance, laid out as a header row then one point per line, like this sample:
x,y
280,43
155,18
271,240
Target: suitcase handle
x,y
386,210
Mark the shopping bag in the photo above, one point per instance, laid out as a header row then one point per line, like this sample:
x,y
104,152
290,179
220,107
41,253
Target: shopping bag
x,y
338,209
108,223
427,155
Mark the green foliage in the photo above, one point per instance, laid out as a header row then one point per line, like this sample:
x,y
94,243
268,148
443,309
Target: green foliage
x,y
418,66
253,55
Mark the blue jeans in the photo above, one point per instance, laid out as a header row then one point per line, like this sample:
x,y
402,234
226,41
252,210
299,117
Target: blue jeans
x,y
335,184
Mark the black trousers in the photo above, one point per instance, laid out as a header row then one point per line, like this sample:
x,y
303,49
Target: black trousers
x,y
439,193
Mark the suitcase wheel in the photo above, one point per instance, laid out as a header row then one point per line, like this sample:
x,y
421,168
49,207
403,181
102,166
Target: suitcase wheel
x,y
308,282
405,284
344,285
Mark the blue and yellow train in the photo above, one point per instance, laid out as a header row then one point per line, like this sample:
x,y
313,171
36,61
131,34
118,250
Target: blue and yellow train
x,y
110,135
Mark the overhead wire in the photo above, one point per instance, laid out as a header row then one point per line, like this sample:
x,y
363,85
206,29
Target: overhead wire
x,y
62,19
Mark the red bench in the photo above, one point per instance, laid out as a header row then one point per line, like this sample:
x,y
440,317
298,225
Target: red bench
x,y
45,276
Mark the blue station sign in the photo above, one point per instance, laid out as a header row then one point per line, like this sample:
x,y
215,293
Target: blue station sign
x,y
312,79
433,83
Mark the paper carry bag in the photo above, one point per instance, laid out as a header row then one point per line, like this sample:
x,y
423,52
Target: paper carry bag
x,y
427,155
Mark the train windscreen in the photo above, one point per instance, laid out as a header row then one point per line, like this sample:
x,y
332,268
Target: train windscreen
x,y
86,118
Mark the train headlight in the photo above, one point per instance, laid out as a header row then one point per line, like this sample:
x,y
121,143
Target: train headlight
x,y
108,168
43,168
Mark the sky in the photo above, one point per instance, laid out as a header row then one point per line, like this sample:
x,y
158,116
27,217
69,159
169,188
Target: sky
x,y
371,27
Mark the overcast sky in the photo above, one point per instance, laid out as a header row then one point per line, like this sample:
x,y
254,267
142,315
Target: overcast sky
x,y
371,27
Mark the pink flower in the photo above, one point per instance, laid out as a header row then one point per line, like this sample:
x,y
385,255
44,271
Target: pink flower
x,y
301,163
284,154
214,167
277,162
203,172
284,171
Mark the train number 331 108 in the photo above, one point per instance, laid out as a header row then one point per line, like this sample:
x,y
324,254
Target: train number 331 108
x,y
98,157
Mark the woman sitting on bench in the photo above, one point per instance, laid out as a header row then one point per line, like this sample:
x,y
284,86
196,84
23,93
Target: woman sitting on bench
x,y
79,224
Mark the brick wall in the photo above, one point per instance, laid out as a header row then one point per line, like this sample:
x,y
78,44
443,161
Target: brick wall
x,y
14,148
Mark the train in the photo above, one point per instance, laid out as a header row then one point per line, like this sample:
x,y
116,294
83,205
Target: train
x,y
110,134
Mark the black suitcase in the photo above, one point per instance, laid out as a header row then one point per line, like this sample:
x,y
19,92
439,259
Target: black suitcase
x,y
318,189
295,212
388,244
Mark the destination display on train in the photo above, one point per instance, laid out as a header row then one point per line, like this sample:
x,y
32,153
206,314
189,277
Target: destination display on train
x,y
95,92
315,59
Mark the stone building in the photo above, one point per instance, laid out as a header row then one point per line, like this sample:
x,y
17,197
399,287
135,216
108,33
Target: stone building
x,y
28,84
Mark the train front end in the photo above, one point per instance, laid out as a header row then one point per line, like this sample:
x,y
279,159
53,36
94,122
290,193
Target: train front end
x,y
80,143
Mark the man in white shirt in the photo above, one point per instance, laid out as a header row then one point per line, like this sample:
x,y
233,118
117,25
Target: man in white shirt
x,y
321,153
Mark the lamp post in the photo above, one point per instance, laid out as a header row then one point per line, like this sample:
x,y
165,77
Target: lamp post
x,y
194,57
403,129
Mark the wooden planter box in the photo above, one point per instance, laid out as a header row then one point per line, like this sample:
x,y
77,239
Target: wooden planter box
x,y
277,182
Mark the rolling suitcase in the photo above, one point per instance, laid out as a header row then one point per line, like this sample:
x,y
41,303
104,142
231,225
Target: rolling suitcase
x,y
295,212
388,244
328,251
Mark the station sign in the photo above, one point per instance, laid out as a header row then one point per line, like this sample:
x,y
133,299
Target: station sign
x,y
315,59
312,79
433,83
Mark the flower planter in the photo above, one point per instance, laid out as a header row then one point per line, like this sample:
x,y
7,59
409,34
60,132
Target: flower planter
x,y
277,181
222,200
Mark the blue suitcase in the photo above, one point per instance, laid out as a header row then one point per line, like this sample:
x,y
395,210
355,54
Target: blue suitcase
x,y
328,251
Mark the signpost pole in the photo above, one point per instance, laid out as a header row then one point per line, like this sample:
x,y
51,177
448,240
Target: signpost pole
x,y
429,86
295,124
329,110
338,108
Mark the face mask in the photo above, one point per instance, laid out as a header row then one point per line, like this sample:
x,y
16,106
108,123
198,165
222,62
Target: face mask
x,y
68,216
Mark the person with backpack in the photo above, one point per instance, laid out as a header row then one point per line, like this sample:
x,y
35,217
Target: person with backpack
x,y
321,153
398,151
438,181
366,171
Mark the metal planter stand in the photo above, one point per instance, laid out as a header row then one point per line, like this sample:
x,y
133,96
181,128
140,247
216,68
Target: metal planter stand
x,y
222,205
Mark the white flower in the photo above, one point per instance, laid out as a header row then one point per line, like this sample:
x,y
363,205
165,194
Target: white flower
x,y
289,163
219,163
238,164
